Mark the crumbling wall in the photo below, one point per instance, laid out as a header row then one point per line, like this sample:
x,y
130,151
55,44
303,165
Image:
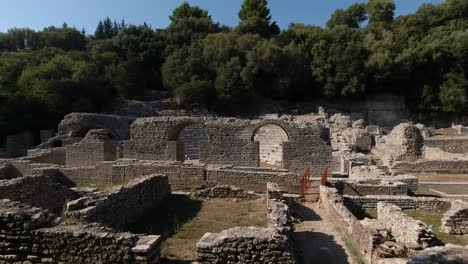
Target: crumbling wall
x,y
414,234
436,166
404,202
252,244
27,237
229,141
122,205
451,145
8,171
365,239
455,220
225,191
39,191
370,187
253,179
50,156
78,125
404,143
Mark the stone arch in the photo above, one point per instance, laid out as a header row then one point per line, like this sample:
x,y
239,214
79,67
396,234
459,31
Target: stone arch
x,y
84,130
270,137
188,135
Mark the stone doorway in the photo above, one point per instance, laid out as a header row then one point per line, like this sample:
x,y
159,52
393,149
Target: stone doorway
x,y
271,138
188,148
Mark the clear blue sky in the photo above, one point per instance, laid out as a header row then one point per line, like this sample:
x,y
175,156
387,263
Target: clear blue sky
x,y
37,14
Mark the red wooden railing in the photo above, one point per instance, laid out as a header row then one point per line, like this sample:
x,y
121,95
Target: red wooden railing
x,y
305,181
324,177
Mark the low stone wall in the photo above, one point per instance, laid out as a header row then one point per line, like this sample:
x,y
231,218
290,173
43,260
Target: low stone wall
x,y
95,244
122,205
252,244
404,202
380,185
245,245
50,156
252,179
437,166
412,233
40,191
451,145
91,153
224,191
364,239
27,237
455,220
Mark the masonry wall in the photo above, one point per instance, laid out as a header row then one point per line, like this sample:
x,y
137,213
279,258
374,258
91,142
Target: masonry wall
x,y
229,141
376,187
123,205
455,220
364,239
412,233
452,145
252,244
27,237
39,191
51,156
252,179
436,166
404,202
90,153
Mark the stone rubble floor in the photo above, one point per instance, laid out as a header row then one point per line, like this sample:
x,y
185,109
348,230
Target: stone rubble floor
x,y
318,239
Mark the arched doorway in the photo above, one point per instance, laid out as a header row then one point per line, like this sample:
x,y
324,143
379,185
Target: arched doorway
x,y
270,138
189,144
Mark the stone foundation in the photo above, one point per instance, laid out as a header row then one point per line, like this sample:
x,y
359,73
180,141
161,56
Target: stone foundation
x,y
40,191
412,233
455,220
224,191
123,205
404,202
451,145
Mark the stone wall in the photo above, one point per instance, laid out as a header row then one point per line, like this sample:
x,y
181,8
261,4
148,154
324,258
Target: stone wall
x,y
191,137
27,237
254,179
404,202
8,171
40,191
414,234
436,166
252,244
91,153
122,205
229,141
51,156
364,239
225,191
451,145
372,187
455,220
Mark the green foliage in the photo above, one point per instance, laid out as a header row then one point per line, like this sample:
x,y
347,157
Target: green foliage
x,y
352,17
255,18
423,56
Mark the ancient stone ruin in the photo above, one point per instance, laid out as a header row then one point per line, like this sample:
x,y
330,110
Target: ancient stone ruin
x,y
75,197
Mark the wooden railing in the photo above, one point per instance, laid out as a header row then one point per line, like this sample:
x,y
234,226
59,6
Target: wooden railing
x,y
324,177
305,181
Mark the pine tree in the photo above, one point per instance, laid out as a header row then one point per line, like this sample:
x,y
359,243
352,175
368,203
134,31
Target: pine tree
x,y
99,33
255,18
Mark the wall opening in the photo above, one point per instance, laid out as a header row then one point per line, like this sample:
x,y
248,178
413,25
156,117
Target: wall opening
x,y
271,138
188,149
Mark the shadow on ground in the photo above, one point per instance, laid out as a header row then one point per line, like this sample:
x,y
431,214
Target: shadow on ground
x,y
166,219
319,248
304,213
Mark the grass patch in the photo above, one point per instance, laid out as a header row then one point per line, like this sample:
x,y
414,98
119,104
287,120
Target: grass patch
x,y
434,219
183,221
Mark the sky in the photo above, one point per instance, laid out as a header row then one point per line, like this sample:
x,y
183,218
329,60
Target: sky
x,y
37,14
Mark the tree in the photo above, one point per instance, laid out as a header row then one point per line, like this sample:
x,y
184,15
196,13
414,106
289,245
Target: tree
x,y
106,29
255,18
352,17
454,92
381,11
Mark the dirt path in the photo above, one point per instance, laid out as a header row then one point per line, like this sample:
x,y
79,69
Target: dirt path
x,y
317,237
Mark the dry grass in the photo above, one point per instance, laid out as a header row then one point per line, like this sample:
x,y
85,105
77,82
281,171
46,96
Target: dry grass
x,y
183,221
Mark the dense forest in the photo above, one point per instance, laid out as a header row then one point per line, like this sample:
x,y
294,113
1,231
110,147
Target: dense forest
x,y
363,51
